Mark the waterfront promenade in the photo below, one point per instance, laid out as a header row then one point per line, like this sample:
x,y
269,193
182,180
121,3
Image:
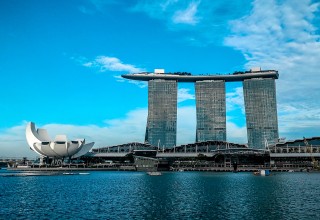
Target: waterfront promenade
x,y
133,168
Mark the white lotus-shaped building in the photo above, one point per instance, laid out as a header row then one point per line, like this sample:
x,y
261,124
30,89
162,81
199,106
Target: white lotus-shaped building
x,y
40,142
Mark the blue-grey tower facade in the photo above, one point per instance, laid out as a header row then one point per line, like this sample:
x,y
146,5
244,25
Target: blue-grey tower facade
x,y
162,113
211,110
261,111
259,97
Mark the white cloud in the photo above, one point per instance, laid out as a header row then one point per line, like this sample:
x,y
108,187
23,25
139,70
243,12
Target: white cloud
x,y
206,19
105,63
167,3
234,99
186,125
114,131
235,133
187,16
282,35
88,64
130,128
184,94
141,84
298,120
113,64
13,142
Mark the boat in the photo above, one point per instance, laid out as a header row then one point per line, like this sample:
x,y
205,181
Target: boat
x,y
75,173
154,173
23,166
262,173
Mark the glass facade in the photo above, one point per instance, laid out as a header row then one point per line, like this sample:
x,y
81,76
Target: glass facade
x,y
162,113
261,111
211,110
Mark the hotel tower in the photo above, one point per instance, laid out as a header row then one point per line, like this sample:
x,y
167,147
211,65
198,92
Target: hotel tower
x,y
259,91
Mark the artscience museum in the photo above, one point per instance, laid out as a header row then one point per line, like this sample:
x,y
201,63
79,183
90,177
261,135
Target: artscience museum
x,y
59,148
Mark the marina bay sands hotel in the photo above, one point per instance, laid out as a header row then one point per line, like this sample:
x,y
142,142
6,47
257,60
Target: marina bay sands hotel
x,y
259,91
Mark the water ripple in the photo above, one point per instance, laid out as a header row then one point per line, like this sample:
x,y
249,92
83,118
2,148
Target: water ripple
x,y
180,195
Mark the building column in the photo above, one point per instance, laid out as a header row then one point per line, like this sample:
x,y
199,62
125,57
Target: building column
x,y
211,110
261,111
162,113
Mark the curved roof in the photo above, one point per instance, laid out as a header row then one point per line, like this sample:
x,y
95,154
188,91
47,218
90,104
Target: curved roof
x,y
40,142
238,76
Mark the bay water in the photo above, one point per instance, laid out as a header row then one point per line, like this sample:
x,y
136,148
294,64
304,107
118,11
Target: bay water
x,y
174,195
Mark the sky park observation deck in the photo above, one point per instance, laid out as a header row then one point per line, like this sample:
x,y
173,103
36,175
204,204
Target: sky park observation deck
x,y
259,91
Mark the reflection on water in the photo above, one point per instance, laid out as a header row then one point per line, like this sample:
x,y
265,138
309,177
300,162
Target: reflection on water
x,y
174,195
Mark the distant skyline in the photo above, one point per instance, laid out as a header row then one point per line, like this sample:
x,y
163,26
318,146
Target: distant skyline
x,y
61,61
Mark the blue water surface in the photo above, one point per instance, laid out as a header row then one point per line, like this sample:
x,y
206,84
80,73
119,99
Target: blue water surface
x,y
174,195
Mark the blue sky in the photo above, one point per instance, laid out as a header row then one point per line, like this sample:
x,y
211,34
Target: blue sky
x,y
60,63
